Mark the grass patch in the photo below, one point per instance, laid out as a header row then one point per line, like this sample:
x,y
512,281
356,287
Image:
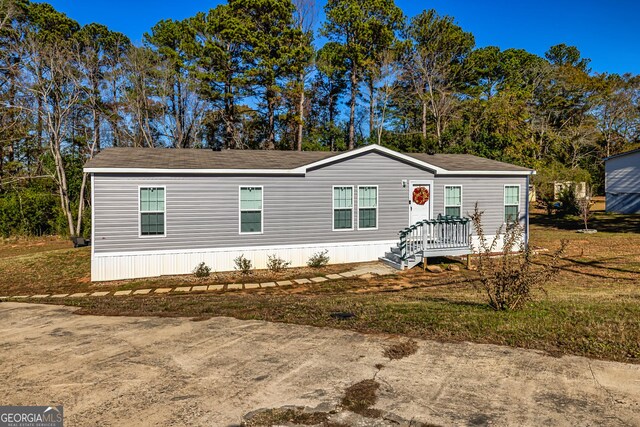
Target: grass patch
x,y
400,350
360,397
281,416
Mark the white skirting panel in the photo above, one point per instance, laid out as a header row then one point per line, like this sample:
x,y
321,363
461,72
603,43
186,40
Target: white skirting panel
x,y
130,265
475,243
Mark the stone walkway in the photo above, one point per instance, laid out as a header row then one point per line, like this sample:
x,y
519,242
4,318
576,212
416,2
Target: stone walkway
x,y
367,271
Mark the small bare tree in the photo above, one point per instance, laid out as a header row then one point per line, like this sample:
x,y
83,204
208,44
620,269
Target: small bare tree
x,y
585,208
510,277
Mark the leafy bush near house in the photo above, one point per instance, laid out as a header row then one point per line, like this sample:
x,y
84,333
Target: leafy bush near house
x,y
510,279
319,259
275,264
243,264
202,270
569,204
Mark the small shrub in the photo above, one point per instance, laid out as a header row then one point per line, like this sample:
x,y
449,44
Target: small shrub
x,y
277,264
243,264
319,259
569,204
202,270
510,279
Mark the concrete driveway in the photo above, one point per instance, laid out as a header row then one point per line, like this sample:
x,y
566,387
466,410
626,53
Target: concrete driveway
x,y
167,371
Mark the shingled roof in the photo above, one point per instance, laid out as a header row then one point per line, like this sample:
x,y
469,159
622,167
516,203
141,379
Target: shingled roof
x,y
465,162
172,158
122,159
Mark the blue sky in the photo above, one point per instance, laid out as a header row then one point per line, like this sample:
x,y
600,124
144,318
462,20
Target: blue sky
x,y
604,30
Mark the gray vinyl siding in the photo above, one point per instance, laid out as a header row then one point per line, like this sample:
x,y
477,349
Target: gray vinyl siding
x,y
203,211
488,192
622,183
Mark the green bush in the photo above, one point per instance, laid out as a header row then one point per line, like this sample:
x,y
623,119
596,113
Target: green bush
x,y
202,270
319,259
29,213
277,264
243,264
569,204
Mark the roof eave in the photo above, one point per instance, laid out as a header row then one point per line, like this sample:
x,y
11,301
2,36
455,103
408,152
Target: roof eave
x,y
637,150
157,171
488,173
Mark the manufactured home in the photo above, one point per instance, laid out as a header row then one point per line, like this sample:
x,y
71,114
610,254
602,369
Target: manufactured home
x,y
163,211
622,182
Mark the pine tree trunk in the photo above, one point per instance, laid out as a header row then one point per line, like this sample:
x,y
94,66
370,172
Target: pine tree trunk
x,y
424,119
352,107
271,112
372,107
301,112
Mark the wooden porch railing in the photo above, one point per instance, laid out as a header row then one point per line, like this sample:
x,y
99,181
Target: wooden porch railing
x,y
436,235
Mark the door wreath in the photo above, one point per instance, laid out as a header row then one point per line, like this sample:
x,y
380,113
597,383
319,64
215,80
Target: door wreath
x,y
420,195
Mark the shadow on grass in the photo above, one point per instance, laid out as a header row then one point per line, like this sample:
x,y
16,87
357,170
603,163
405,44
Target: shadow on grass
x,y
599,264
601,221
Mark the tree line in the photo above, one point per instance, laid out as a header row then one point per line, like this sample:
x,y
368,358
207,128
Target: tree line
x,y
250,74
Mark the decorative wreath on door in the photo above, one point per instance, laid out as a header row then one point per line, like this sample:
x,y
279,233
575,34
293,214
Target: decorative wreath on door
x,y
420,195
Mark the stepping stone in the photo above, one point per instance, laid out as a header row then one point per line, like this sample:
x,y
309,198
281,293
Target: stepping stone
x,y
366,276
334,276
39,296
78,295
199,288
302,281
267,284
349,274
234,286
4,297
284,283
435,268
216,287
121,293
141,291
252,285
183,289
99,294
319,279
59,295
163,290
21,296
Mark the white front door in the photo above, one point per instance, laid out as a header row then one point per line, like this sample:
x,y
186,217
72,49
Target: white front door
x,y
420,199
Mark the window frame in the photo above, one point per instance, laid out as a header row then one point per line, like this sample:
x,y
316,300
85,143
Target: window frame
x,y
151,236
357,219
504,204
453,206
333,208
240,187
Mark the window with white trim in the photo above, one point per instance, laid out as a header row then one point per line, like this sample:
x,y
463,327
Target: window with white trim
x,y
152,211
250,210
367,207
453,200
511,203
343,208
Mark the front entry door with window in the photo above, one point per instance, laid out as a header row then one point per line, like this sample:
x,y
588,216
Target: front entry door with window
x,y
420,199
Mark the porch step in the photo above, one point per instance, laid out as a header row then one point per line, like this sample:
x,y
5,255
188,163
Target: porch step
x,y
393,257
391,263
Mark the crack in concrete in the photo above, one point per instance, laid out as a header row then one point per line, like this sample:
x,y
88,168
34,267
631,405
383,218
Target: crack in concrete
x,y
606,390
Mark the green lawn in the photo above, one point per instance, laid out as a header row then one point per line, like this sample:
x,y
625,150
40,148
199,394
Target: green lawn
x,y
592,308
